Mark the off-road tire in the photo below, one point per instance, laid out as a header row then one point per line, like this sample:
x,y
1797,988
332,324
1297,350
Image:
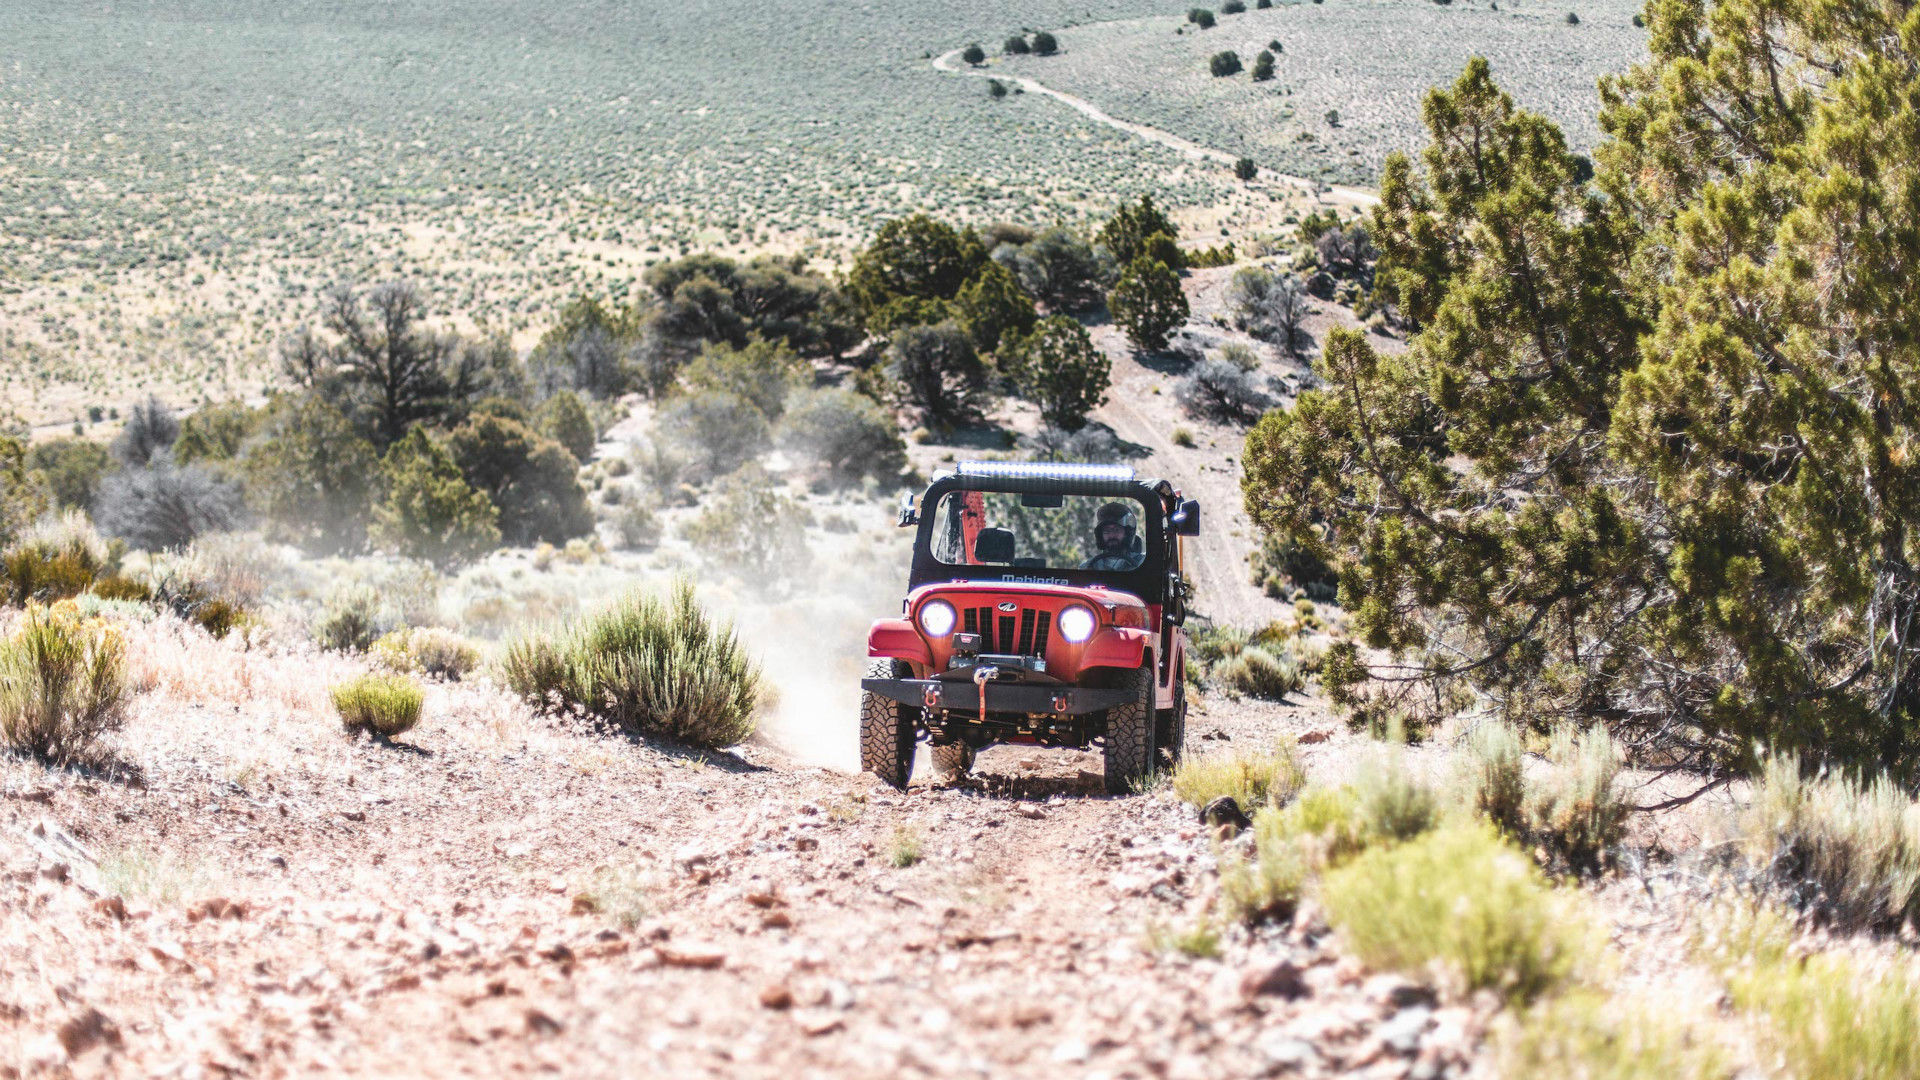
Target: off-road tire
x,y
887,728
1172,735
952,761
1130,751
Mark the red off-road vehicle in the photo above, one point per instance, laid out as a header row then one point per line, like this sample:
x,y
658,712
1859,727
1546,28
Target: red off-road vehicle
x,y
1044,608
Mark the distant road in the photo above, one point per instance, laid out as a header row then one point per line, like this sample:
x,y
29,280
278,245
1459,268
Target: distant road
x,y
950,62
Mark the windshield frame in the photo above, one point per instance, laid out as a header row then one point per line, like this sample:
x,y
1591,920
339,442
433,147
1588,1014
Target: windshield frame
x,y
1148,582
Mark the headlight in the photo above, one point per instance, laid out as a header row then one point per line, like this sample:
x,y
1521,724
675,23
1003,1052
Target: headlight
x,y
936,618
1076,624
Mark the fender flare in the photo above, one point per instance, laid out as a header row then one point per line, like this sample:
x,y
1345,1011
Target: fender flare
x,y
898,640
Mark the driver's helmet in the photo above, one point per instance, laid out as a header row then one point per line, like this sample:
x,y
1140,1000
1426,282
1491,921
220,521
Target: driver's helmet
x,y
1115,513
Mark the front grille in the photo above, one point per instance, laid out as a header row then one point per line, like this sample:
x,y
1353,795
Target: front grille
x,y
1024,634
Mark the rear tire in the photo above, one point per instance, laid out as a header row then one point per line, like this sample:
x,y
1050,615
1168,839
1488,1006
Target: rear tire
x,y
887,728
952,761
1173,724
1130,751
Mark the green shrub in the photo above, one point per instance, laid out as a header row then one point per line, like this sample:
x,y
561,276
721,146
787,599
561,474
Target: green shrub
x,y
1252,779
1224,64
23,494
1256,673
533,481
1045,44
1016,46
563,418
1182,436
54,562
1201,18
1269,885
636,526
382,705
1827,1014
350,621
63,682
1462,906
1844,849
73,469
428,510
648,666
974,55
847,435
1244,168
1591,1036
753,531
431,651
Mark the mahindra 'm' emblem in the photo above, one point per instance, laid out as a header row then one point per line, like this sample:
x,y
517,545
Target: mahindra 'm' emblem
x,y
1008,605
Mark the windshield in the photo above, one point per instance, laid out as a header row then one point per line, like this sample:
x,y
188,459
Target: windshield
x,y
1056,532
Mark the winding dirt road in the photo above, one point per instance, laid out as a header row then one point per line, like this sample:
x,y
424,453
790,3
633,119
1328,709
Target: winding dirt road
x,y
950,62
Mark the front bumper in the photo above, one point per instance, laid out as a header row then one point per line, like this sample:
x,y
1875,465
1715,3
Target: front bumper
x,y
1024,698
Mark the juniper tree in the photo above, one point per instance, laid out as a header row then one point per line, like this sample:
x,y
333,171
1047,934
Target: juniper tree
x,y
1059,368
1148,303
1651,459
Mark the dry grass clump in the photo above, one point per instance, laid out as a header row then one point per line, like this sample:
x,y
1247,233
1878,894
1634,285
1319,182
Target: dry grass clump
x,y
55,560
1257,673
1571,809
650,666
1827,1014
1463,906
1845,849
382,705
1591,1036
63,682
161,878
617,892
1252,779
429,650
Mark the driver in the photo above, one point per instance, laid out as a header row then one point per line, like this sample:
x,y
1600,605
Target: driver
x,y
1115,528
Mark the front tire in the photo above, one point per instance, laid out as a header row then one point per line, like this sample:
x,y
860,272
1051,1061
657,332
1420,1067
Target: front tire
x,y
1130,750
887,728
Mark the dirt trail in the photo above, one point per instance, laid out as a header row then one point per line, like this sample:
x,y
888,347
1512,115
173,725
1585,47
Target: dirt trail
x,y
505,894
1345,196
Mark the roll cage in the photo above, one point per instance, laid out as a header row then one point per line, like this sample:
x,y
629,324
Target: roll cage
x,y
1155,581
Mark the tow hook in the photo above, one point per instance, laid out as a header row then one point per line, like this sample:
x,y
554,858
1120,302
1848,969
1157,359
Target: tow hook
x,y
981,677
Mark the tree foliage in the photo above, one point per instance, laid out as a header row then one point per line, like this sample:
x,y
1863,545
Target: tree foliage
x,y
1059,268
848,435
916,257
72,469
936,370
1131,231
1148,303
311,477
1651,459
992,307
532,480
1045,44
1224,63
387,352
563,418
23,495
1059,368
427,510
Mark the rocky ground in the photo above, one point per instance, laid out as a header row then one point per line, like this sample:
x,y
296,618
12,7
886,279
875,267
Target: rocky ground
x,y
509,894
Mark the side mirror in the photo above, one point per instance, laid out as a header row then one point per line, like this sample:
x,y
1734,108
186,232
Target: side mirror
x,y
909,516
1186,520
993,546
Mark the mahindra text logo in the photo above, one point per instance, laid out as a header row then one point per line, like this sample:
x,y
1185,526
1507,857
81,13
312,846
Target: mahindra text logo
x,y
1008,605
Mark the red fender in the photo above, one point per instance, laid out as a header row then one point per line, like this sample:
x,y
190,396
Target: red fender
x,y
896,638
1119,646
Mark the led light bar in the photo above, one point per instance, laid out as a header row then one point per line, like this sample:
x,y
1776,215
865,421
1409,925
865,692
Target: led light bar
x,y
1050,470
